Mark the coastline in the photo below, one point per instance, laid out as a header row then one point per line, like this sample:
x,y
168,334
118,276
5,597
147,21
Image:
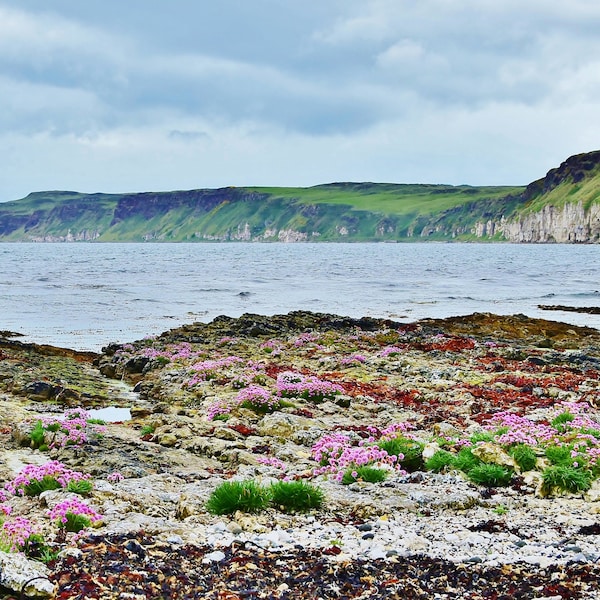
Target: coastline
x,y
443,377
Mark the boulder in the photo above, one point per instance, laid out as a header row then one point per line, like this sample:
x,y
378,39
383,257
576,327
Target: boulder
x,y
25,576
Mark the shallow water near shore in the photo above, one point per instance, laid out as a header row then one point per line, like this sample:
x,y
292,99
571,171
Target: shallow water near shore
x,y
83,296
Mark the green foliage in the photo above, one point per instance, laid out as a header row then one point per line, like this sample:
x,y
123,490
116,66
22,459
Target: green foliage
x,y
36,486
82,486
560,421
410,450
76,522
296,496
482,436
35,547
465,460
37,435
566,478
147,429
364,473
560,455
441,460
231,496
490,475
524,456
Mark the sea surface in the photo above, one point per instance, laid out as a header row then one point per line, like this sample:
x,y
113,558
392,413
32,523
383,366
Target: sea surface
x,y
85,295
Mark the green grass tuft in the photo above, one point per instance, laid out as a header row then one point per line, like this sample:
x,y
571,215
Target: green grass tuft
x,y
364,473
441,460
490,475
566,478
560,455
524,456
231,496
296,496
560,421
465,460
409,452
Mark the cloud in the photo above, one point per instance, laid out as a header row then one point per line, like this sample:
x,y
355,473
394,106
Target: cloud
x,y
274,92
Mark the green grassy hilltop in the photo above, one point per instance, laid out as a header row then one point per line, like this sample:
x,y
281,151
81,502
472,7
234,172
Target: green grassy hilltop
x,y
330,212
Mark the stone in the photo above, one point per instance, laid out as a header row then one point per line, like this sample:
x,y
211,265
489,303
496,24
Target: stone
x,y
282,425
492,453
25,576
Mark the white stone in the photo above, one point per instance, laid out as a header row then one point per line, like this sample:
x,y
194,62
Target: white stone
x,y
16,571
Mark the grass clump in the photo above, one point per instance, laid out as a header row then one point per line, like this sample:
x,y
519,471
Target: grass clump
x,y
441,460
465,460
364,473
409,452
37,435
490,475
524,456
81,487
566,478
296,496
36,486
482,436
559,455
231,496
560,421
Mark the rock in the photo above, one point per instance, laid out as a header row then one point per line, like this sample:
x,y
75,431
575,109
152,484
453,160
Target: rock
x,y
415,543
492,453
216,556
593,494
167,439
40,390
25,576
282,425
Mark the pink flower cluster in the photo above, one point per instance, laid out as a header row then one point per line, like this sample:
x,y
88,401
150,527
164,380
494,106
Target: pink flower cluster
x,y
253,373
355,358
253,396
582,433
182,351
71,429
389,351
336,453
220,407
273,347
271,461
75,507
36,473
208,369
15,533
257,397
296,385
305,338
521,430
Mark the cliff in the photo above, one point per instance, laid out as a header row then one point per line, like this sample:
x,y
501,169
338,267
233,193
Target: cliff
x,y
563,206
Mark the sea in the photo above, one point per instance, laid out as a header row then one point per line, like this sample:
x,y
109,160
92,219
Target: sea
x,y
86,295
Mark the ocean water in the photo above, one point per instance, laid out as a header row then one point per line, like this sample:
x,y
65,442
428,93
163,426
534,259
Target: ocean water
x,y
84,296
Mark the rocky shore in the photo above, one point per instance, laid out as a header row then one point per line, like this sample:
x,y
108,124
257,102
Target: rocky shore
x,y
291,397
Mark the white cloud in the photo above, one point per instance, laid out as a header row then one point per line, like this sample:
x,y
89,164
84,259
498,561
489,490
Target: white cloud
x,y
404,52
455,91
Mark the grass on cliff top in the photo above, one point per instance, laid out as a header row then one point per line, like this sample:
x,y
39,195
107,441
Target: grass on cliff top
x,y
587,192
390,198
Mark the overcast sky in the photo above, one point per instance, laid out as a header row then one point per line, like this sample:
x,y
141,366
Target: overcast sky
x,y
134,95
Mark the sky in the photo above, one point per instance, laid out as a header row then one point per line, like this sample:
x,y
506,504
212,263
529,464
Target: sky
x,y
149,95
